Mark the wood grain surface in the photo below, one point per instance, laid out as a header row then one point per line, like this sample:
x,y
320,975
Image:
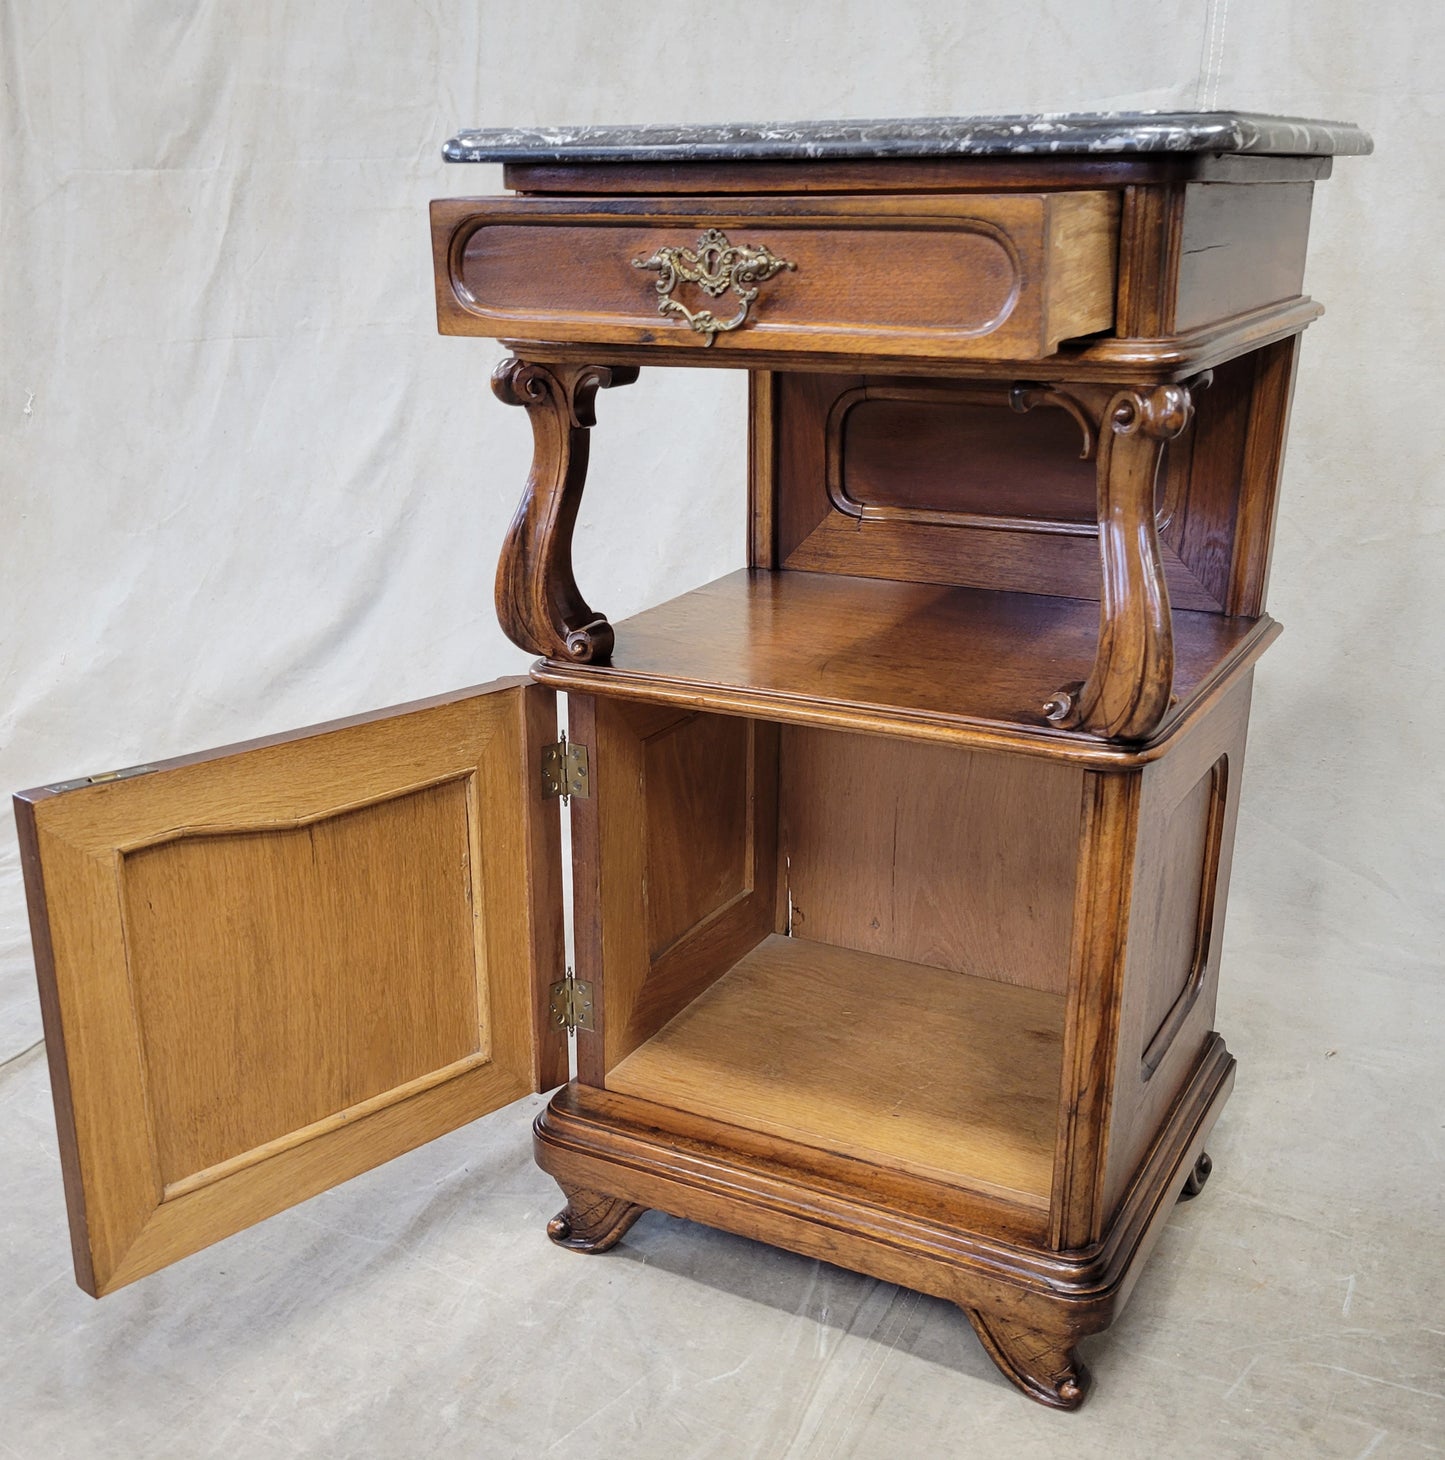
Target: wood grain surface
x,y
974,277
944,1075
267,969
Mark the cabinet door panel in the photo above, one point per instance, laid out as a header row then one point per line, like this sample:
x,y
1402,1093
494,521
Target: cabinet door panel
x,y
268,968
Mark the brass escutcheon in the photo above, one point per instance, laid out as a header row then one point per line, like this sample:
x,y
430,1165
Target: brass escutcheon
x,y
715,266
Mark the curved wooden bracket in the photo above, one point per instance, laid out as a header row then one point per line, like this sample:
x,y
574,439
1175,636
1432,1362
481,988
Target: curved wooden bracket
x,y
1041,1364
538,601
1128,690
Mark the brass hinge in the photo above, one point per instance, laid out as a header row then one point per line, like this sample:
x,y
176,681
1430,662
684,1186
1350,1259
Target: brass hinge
x,y
79,781
564,770
571,1003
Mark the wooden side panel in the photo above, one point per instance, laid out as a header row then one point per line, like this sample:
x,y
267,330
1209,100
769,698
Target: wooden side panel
x,y
916,452
1200,483
1189,805
942,482
1241,248
958,859
1263,465
675,860
270,968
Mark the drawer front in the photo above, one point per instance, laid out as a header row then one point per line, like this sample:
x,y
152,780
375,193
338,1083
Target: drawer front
x,y
987,277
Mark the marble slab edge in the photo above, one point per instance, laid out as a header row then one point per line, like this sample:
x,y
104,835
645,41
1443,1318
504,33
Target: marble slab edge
x,y
1117,134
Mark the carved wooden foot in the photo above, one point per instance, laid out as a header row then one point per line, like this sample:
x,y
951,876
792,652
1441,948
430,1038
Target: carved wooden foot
x,y
592,1221
1042,1364
1195,1184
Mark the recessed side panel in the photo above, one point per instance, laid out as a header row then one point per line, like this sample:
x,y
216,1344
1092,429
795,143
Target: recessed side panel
x,y
684,814
1188,807
949,482
268,969
299,972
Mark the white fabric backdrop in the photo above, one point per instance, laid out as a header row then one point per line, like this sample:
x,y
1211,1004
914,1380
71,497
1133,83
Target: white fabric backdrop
x,y
246,486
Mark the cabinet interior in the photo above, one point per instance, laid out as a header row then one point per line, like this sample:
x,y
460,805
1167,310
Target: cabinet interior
x,y
856,942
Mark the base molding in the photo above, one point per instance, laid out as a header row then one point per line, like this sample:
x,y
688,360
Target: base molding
x,y
616,1156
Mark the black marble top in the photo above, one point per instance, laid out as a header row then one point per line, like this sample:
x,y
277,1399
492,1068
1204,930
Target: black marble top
x,y
1109,133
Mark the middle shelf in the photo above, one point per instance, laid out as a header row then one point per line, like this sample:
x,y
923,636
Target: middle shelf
x,y
965,664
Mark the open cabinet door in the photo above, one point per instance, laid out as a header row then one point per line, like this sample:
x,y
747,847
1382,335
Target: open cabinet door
x,y
269,968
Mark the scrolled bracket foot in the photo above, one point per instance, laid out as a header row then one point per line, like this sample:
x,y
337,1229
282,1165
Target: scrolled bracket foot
x,y
592,1221
1194,1182
1041,1364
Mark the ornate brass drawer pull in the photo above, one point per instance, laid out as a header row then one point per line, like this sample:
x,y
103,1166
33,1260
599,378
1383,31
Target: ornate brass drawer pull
x,y
715,266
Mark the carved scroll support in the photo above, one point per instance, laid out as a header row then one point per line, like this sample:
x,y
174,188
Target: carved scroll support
x,y
538,602
1042,1364
1128,691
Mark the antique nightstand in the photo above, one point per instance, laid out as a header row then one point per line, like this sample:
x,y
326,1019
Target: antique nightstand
x,y
900,857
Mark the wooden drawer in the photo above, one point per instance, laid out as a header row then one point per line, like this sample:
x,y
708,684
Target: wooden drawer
x,y
970,277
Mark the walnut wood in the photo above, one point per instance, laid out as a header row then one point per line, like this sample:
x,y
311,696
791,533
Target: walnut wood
x,y
901,658
1039,1361
949,174
592,1222
1103,359
1150,225
888,477
1259,475
1239,248
1170,934
801,1040
588,902
538,602
1127,692
262,973
893,1225
975,277
762,469
901,882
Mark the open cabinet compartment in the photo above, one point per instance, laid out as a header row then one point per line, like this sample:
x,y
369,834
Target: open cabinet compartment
x,y
897,952
858,943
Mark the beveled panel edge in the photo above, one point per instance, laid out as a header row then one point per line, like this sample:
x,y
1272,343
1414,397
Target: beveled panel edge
x,y
263,742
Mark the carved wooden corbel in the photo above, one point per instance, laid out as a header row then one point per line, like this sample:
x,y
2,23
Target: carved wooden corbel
x,y
538,602
1128,690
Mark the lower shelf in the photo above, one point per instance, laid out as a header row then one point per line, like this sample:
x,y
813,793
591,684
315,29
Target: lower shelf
x,y
946,1076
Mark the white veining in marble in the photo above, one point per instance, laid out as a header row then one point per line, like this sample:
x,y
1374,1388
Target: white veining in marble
x,y
1098,133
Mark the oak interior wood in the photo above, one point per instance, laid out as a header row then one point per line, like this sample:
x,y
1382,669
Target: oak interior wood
x,y
294,970
676,849
961,859
800,643
941,1074
271,967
